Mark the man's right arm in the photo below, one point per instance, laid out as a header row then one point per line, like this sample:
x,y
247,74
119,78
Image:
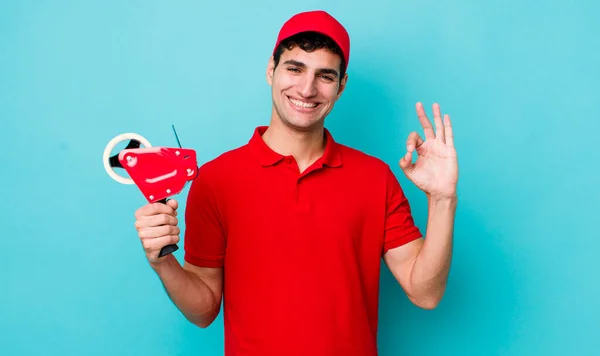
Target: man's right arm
x,y
195,291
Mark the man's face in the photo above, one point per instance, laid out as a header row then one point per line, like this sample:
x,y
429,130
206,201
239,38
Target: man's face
x,y
305,86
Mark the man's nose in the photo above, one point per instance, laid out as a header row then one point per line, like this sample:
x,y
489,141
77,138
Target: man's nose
x,y
308,86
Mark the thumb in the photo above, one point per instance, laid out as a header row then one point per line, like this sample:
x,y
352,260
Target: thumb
x,y
406,163
173,203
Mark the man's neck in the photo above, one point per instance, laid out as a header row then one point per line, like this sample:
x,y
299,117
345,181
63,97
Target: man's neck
x,y
305,146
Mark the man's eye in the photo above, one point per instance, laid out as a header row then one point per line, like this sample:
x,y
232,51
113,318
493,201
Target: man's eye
x,y
327,77
293,69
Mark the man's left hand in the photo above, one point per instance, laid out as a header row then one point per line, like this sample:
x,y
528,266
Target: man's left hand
x,y
436,169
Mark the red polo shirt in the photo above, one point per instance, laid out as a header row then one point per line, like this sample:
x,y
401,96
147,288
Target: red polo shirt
x,y
301,252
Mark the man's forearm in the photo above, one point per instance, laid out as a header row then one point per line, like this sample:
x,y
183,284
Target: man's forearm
x,y
432,265
189,293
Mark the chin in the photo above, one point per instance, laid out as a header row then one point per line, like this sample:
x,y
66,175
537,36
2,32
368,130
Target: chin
x,y
303,123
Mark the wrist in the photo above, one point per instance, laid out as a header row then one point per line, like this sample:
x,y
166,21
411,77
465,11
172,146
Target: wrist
x,y
162,263
442,199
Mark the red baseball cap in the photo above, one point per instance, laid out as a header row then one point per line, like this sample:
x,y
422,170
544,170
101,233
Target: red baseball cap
x,y
317,21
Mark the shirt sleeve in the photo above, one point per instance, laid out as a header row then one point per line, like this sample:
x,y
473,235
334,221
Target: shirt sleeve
x,y
205,239
400,227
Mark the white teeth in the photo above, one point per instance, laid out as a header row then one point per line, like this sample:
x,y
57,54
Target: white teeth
x,y
303,104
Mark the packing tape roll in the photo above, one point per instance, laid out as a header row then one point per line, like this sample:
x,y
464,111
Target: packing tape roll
x,y
114,142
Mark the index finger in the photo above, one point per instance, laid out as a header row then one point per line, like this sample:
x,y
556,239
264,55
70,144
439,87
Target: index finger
x,y
427,128
154,209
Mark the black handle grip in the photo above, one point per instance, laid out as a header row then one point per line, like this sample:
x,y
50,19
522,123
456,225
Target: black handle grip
x,y
169,248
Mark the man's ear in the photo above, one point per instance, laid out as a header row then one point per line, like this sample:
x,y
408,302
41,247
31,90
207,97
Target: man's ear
x,y
342,85
270,70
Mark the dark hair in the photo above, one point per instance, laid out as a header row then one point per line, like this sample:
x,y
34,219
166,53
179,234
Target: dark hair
x,y
310,41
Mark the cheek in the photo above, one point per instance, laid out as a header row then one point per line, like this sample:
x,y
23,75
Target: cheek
x,y
283,82
329,92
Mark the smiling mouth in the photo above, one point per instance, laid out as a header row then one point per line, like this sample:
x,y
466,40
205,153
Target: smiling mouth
x,y
303,104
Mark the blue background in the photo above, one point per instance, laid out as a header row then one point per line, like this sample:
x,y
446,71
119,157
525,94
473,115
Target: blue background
x,y
520,79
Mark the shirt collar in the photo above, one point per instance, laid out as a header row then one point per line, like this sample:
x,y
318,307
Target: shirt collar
x,y
267,157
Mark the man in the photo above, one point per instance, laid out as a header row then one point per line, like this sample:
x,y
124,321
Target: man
x,y
290,229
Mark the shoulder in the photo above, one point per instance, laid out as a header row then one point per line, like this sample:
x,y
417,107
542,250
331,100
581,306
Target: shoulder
x,y
226,163
371,172
214,174
360,160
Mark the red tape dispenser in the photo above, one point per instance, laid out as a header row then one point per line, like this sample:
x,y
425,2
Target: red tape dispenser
x,y
159,172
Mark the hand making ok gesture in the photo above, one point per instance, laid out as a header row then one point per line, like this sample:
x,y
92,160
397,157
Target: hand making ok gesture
x,y
436,169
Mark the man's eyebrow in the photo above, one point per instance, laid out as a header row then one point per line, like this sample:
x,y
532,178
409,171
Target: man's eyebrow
x,y
295,63
320,70
329,71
